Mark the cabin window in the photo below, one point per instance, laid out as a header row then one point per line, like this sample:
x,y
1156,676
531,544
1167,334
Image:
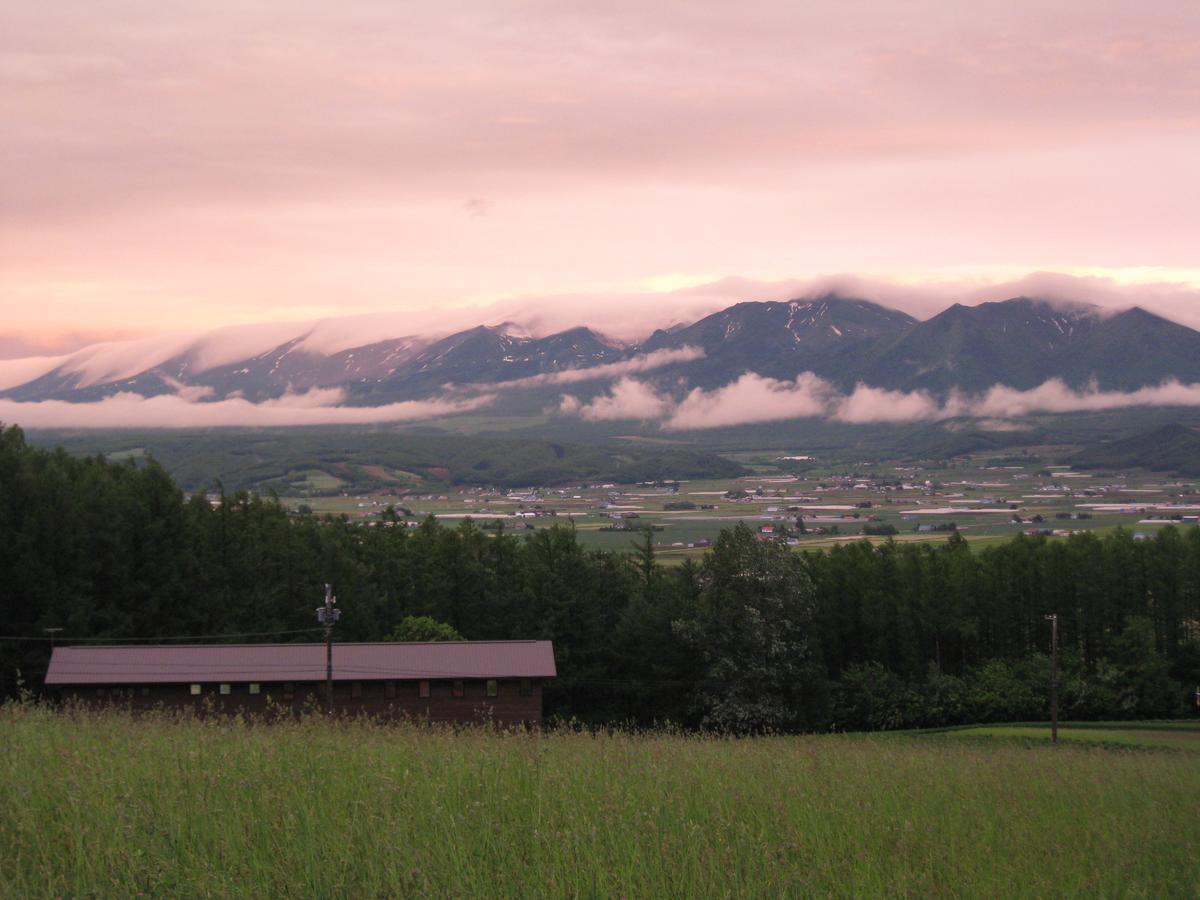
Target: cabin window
x,y
289,689
526,687
226,688
457,689
423,689
195,690
145,692
255,687
356,689
390,690
100,692
493,687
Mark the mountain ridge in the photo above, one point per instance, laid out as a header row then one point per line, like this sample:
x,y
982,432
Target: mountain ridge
x,y
1020,342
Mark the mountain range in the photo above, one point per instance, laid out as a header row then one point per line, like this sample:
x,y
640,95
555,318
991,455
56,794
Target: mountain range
x,y
1020,342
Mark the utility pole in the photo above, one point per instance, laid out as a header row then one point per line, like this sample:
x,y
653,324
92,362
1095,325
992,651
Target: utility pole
x,y
1053,619
53,632
327,615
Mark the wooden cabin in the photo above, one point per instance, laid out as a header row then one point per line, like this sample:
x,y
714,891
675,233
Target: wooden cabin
x,y
447,681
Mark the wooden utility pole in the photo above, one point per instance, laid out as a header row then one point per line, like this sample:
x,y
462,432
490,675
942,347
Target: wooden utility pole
x,y
327,615
1053,619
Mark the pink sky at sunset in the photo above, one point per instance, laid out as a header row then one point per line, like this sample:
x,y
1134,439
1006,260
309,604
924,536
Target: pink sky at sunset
x,y
168,166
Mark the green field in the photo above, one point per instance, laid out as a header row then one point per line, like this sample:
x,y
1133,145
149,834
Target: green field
x,y
105,805
1175,735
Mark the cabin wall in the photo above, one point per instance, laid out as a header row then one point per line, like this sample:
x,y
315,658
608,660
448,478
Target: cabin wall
x,y
399,701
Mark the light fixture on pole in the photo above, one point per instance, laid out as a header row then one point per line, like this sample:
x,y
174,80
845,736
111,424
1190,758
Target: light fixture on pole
x,y
327,615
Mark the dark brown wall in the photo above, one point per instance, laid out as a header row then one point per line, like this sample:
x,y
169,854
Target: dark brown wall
x,y
509,708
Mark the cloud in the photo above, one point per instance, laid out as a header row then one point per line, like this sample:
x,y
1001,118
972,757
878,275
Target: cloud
x,y
627,399
643,362
315,407
617,141
477,206
1054,396
753,399
870,404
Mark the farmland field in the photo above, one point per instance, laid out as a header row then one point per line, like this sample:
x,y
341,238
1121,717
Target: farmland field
x,y
981,501
98,804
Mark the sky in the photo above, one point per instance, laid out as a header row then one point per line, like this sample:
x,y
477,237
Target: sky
x,y
170,166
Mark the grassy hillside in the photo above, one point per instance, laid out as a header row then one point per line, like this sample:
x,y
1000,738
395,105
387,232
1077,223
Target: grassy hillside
x,y
305,460
1171,448
102,805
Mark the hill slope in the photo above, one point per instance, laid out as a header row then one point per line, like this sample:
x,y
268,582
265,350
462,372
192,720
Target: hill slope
x,y
1171,448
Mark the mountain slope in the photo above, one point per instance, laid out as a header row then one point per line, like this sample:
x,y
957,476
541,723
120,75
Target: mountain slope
x,y
1023,342
829,335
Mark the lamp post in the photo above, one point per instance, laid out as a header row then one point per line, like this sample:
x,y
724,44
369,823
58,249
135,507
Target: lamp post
x,y
327,615
1053,620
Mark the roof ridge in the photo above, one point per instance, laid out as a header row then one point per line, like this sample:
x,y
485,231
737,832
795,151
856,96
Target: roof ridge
x,y
295,644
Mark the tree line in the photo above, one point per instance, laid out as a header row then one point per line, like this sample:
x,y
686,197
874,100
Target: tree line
x,y
754,636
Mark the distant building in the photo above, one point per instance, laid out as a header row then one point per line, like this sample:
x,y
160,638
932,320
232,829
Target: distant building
x,y
449,681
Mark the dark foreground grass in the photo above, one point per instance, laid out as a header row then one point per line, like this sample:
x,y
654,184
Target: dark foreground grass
x,y
107,805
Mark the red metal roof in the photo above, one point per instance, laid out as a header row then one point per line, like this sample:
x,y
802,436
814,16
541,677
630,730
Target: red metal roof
x,y
160,664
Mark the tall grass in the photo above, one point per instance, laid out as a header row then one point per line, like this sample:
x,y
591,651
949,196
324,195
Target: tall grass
x,y
103,804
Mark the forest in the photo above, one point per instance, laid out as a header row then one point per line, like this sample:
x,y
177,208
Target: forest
x,y
755,637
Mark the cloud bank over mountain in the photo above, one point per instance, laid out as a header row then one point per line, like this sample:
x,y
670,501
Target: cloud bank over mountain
x,y
832,356
622,316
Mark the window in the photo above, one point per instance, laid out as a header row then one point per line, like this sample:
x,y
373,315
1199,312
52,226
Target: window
x,y
226,688
255,687
526,687
457,689
195,690
423,689
289,688
145,692
100,692
493,687
390,690
356,689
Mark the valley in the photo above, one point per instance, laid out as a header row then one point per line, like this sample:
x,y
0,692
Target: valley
x,y
979,498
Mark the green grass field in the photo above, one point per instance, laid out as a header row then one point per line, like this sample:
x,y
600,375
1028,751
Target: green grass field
x,y
108,806
1175,735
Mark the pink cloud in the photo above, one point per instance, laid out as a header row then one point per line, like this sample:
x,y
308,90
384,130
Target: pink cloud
x,y
174,166
1054,397
754,399
627,399
642,362
316,407
869,404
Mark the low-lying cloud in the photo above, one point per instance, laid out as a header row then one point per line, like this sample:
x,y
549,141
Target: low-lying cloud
x,y
627,399
754,399
761,399
1054,396
643,362
315,407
